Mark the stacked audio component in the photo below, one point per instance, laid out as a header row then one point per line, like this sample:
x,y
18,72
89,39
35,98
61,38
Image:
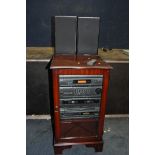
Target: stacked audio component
x,y
80,82
80,96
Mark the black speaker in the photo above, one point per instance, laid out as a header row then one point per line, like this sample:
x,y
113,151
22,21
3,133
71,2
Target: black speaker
x,y
65,34
88,34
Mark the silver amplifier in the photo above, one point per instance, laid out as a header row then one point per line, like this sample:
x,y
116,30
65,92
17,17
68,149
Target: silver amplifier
x,y
66,92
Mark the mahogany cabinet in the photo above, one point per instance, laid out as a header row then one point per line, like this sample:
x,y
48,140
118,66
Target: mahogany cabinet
x,y
88,131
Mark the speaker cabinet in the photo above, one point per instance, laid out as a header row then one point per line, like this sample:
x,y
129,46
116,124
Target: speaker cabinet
x,y
65,34
88,33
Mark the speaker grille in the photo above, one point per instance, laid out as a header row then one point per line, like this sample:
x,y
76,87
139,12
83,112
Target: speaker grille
x,y
88,32
65,34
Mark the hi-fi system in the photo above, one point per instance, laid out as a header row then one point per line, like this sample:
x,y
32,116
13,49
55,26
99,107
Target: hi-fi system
x,y
80,96
80,82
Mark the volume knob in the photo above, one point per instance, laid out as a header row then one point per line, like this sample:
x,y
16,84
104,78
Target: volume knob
x,y
98,90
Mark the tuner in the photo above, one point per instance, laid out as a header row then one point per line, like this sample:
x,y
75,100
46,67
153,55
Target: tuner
x,y
98,90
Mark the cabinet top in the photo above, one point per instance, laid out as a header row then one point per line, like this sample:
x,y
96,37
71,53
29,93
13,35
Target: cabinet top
x,y
78,61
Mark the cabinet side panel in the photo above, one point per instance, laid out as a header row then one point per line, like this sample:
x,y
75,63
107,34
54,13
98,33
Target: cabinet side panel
x,y
103,101
56,105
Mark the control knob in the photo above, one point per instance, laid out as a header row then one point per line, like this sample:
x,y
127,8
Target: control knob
x,y
98,90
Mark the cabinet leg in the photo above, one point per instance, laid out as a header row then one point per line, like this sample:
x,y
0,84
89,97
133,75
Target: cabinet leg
x,y
59,149
97,147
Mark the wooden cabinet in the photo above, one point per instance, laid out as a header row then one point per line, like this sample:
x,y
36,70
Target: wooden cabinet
x,y
88,131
